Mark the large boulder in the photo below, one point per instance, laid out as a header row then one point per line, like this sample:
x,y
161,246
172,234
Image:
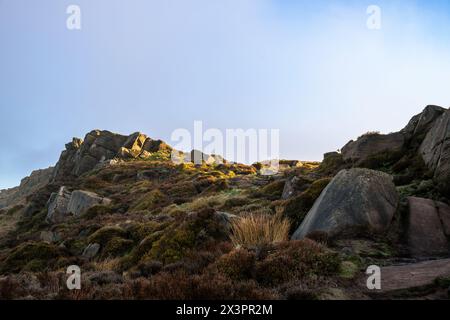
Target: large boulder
x,y
426,230
355,198
81,201
62,205
435,151
57,206
371,144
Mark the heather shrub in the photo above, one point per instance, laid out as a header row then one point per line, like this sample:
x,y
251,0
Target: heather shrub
x,y
105,234
273,190
238,264
195,231
116,247
296,260
95,211
182,286
31,256
151,200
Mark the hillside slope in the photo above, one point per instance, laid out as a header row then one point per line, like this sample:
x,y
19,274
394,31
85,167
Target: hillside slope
x,y
143,227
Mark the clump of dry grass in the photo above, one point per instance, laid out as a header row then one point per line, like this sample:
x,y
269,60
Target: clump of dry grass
x,y
258,229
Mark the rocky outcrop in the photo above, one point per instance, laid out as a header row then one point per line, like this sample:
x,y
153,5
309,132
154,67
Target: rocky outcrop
x,y
435,150
98,147
64,204
81,201
28,185
428,223
373,143
370,144
422,122
355,198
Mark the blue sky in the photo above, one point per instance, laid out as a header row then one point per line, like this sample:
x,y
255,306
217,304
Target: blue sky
x,y
309,68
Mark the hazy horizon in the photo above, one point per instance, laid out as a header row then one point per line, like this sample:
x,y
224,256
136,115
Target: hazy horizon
x,y
313,70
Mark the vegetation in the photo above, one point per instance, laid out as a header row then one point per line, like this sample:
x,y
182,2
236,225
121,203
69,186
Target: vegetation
x,y
256,230
207,231
296,209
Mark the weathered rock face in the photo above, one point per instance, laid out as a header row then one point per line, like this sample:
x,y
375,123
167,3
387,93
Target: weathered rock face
x,y
99,147
28,185
81,201
427,227
370,144
435,150
423,121
63,204
57,206
355,198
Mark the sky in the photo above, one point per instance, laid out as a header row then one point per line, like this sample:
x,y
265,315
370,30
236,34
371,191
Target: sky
x,y
312,69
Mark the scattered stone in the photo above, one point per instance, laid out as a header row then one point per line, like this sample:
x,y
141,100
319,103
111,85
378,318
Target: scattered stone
x,y
289,188
91,250
355,198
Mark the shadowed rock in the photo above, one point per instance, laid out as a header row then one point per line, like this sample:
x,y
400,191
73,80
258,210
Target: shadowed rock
x,y
435,150
423,121
57,206
425,232
370,144
63,204
81,201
